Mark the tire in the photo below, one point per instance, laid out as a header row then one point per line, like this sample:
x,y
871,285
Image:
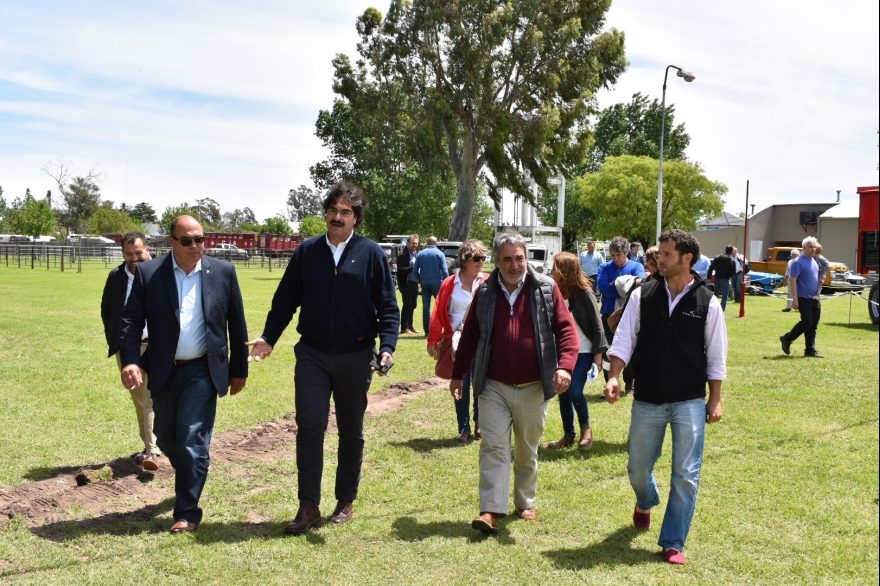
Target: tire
x,y
873,308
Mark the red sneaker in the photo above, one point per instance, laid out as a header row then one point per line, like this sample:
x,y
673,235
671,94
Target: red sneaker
x,y
641,520
673,556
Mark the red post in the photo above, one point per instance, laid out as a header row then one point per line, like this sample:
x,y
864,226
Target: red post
x,y
742,287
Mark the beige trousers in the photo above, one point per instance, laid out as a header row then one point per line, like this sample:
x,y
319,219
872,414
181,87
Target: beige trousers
x,y
505,408
143,406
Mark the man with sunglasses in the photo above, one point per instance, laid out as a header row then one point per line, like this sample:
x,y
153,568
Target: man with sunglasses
x,y
342,284
190,302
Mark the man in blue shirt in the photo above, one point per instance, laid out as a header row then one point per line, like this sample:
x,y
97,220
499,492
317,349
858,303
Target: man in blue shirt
x,y
804,286
618,266
429,268
701,267
590,262
635,254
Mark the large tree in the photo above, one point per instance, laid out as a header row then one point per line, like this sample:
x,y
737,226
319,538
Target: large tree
x,y
32,217
172,212
110,221
621,129
623,197
4,213
275,225
368,146
303,201
80,198
490,85
634,129
143,212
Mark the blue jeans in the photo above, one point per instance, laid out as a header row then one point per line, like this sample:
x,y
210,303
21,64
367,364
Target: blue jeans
x,y
736,282
722,287
646,430
184,420
428,292
462,406
573,399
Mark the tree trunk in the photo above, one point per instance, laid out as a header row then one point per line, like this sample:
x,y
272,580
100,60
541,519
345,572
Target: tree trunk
x,y
468,168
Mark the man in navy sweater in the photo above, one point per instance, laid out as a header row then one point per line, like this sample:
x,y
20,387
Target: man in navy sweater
x,y
344,286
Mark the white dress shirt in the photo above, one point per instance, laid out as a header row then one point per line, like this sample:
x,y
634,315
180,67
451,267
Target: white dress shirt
x,y
130,276
192,342
461,299
714,333
337,250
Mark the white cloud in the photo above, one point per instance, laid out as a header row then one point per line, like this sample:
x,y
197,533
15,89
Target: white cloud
x,y
178,100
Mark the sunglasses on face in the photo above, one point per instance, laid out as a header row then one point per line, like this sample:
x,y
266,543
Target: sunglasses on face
x,y
188,240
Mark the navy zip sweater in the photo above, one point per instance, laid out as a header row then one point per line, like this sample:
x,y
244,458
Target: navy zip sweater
x,y
344,307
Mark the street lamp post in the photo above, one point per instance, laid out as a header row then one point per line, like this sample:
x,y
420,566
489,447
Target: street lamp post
x,y
688,77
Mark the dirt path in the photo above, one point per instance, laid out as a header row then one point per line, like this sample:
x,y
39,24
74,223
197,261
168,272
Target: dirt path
x,y
129,495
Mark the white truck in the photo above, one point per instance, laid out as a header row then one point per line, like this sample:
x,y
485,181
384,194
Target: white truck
x,y
227,251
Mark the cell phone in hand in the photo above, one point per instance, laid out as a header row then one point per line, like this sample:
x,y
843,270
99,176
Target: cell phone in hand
x,y
376,363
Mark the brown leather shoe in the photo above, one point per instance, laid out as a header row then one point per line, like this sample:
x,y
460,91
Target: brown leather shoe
x,y
586,441
486,522
181,526
413,331
527,514
151,462
567,440
343,512
305,518
477,432
464,437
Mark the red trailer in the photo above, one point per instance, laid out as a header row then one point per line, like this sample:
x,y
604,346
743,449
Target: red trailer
x,y
869,244
245,241
279,244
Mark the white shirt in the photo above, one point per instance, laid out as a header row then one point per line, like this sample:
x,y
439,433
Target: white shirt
x,y
337,250
511,297
192,341
130,276
586,343
714,333
461,299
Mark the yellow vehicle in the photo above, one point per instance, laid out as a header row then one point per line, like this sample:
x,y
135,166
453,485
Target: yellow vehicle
x,y
777,261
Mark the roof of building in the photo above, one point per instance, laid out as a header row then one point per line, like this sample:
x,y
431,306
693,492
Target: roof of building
x,y
725,219
845,209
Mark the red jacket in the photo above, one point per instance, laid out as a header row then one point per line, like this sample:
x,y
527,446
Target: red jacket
x,y
441,327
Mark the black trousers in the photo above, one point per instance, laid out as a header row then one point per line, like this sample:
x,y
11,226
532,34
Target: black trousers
x,y
410,294
318,377
811,312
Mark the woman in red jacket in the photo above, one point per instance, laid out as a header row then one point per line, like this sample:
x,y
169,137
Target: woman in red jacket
x,y
453,301
578,295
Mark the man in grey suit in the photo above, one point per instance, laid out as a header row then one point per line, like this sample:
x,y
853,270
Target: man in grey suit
x,y
190,302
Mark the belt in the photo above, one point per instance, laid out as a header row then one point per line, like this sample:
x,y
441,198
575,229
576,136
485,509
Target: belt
x,y
534,382
182,362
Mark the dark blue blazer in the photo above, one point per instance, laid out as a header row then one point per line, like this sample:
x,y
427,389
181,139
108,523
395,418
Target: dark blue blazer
x,y
154,299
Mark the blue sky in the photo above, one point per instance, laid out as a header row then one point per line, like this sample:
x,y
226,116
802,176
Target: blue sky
x,y
179,100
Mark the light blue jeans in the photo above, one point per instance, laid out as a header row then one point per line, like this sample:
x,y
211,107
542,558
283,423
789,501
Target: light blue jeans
x,y
646,431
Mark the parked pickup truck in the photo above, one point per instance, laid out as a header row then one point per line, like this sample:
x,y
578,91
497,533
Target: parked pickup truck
x,y
227,252
838,277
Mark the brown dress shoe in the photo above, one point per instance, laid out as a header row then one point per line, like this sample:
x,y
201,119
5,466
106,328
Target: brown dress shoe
x,y
464,437
567,440
477,433
181,526
413,331
305,518
527,514
586,441
486,522
343,513
151,462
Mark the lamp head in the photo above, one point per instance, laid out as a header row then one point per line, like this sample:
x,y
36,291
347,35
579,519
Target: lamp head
x,y
688,77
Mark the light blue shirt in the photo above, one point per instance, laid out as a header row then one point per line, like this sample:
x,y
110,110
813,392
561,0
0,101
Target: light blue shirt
x,y
806,270
192,341
590,263
701,267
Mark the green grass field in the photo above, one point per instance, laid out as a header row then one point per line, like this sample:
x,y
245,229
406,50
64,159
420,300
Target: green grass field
x,y
789,491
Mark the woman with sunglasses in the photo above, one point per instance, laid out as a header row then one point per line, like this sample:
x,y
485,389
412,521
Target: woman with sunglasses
x,y
578,295
453,300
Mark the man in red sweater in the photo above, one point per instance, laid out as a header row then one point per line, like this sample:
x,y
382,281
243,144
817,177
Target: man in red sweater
x,y
523,345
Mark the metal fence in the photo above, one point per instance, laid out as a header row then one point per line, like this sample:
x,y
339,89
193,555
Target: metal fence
x,y
66,257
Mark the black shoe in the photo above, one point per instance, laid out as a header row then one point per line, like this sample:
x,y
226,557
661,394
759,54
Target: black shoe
x,y
812,354
786,310
786,345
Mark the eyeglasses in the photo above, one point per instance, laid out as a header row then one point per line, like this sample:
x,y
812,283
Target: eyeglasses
x,y
479,259
188,240
344,213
